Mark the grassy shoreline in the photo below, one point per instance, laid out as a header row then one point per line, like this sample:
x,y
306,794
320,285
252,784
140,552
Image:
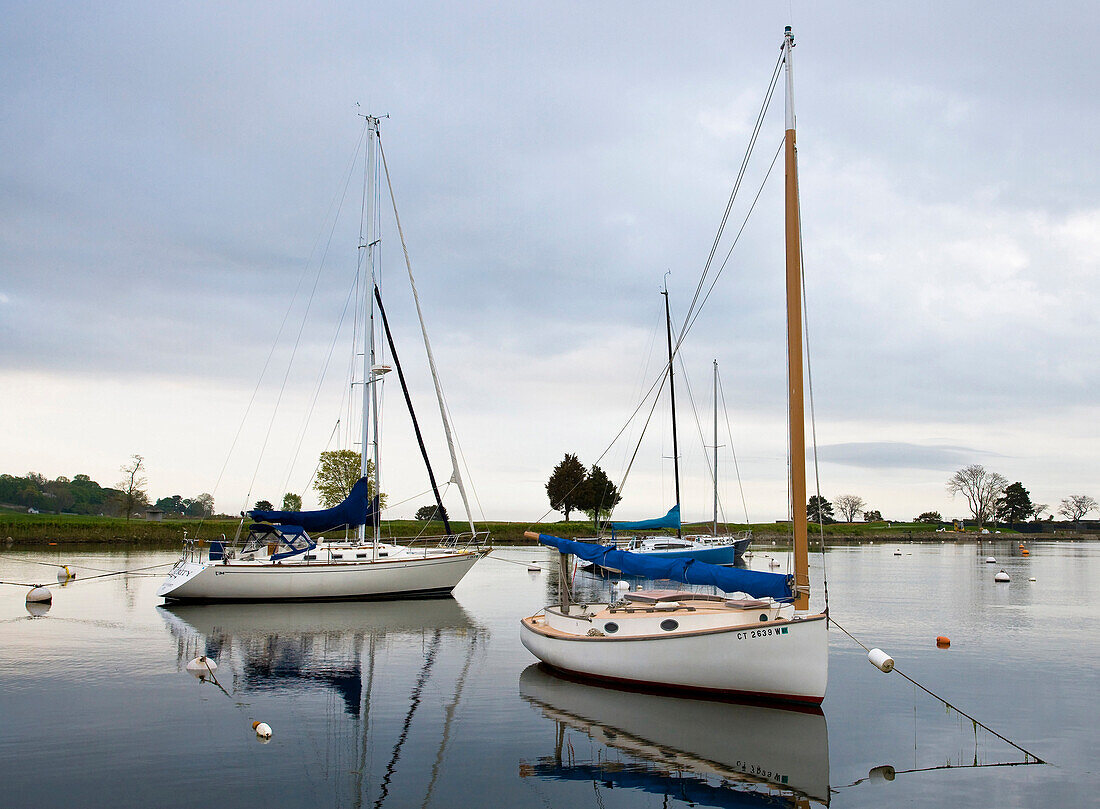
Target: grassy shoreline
x,y
29,530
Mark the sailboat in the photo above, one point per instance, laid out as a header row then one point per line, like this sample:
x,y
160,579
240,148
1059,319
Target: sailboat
x,y
280,557
715,548
761,641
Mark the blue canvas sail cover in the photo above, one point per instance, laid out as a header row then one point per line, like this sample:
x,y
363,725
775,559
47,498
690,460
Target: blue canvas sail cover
x,y
690,571
670,520
356,510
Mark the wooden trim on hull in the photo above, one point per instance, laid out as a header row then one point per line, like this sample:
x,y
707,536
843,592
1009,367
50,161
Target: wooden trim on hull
x,y
528,623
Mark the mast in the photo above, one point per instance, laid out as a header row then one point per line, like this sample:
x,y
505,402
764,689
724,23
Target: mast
x,y
672,395
369,194
716,447
794,344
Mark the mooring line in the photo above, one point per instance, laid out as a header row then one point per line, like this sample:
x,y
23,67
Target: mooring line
x,y
931,693
517,562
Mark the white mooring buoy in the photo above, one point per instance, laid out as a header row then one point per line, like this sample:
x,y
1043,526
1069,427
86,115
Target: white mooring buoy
x,y
1032,579
38,609
989,560
534,569
263,730
882,773
1002,576
897,552
880,660
64,574
620,585
201,667
39,594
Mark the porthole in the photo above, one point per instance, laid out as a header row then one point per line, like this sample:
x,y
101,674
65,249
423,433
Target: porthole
x,y
763,616
669,624
611,627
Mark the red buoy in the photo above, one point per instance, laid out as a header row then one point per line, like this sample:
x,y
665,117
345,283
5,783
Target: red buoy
x,y
943,641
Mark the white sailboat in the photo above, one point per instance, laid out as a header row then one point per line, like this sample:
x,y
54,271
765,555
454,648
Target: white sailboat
x,y
279,560
762,642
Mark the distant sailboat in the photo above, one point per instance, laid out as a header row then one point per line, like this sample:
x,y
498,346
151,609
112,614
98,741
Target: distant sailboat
x,y
762,641
279,559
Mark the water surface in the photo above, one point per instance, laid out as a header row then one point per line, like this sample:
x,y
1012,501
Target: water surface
x,y
436,703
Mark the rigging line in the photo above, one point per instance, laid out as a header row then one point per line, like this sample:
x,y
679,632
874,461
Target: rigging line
x,y
457,476
429,661
271,353
695,413
302,325
776,71
318,386
931,693
317,468
813,417
733,450
737,238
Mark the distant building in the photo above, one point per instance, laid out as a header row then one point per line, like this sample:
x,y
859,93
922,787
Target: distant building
x,y
154,514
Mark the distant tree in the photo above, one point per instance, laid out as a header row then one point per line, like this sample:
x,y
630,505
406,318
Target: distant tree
x,y
201,506
981,489
872,515
819,510
564,486
598,495
338,473
929,517
432,513
1076,506
292,502
132,486
174,505
1015,504
849,505
1037,511
263,505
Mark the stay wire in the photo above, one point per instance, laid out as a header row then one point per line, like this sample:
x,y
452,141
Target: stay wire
x,y
733,450
936,696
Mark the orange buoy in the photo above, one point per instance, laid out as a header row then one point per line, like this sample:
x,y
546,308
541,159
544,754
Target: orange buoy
x,y
1025,552
943,641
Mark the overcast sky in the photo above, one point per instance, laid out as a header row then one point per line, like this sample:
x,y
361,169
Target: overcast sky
x,y
174,180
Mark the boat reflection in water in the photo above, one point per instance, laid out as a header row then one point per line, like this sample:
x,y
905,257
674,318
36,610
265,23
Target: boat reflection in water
x,y
701,752
302,645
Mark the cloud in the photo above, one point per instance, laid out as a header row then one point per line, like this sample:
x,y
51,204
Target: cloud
x,y
900,455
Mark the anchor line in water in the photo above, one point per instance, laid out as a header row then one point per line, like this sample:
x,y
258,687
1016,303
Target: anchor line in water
x,y
933,694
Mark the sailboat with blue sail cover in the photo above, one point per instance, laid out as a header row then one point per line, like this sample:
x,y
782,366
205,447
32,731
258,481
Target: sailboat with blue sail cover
x,y
281,558
758,640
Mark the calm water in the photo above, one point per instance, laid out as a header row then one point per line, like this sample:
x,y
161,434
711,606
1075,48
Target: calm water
x,y
436,703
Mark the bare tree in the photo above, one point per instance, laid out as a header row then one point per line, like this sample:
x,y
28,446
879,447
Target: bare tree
x,y
1076,506
133,485
1038,509
849,505
981,489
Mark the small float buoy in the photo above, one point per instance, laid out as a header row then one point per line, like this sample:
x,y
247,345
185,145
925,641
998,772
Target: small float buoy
x,y
263,730
897,552
880,660
64,574
943,641
883,773
773,563
1002,576
533,568
621,585
39,594
639,587
202,667
1032,579
989,560
1025,552
747,555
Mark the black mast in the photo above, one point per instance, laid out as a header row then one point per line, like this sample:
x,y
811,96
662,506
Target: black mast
x,y
412,415
672,395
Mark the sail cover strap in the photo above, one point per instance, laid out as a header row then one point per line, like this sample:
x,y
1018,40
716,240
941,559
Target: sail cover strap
x,y
754,582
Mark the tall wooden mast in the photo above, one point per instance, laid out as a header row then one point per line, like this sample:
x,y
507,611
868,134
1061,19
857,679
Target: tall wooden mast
x,y
794,346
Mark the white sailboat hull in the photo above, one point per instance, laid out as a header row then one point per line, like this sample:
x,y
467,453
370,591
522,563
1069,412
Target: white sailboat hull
x,y
256,581
782,660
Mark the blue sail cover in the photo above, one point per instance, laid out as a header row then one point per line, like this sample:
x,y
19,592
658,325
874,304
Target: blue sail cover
x,y
356,510
670,520
754,582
